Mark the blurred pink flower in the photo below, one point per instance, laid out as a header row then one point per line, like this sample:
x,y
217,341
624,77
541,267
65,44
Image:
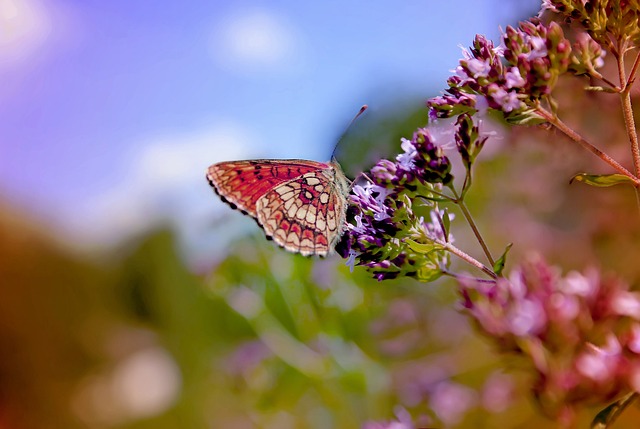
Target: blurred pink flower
x,y
403,421
450,401
559,324
497,392
600,363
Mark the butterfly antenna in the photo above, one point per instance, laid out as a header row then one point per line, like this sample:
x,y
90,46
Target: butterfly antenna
x,y
360,112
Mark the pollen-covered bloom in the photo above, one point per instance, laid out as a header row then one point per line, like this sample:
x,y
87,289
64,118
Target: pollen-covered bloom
x,y
395,229
580,333
511,77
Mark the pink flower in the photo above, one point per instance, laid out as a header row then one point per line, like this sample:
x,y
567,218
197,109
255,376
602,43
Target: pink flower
x,y
450,401
497,392
551,322
526,317
634,339
575,283
600,363
626,303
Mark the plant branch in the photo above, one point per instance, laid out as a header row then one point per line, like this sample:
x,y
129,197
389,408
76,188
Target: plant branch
x,y
569,132
627,108
467,215
467,258
634,70
598,76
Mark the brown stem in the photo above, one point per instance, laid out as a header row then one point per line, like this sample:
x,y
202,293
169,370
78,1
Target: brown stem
x,y
556,122
598,76
634,69
627,108
467,258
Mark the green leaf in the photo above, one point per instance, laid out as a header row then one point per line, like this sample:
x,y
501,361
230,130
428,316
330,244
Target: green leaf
x,y
602,180
526,117
498,266
422,248
429,274
607,416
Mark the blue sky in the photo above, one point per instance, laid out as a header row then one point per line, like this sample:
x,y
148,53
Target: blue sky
x,y
111,111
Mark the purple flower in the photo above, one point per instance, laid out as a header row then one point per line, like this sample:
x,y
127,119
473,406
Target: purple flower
x,y
513,76
384,172
538,48
507,100
406,159
514,79
478,68
433,229
385,234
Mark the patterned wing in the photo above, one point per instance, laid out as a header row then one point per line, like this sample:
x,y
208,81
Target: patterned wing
x,y
242,183
306,214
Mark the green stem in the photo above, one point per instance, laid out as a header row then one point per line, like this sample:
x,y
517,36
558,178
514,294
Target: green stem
x,y
440,194
467,215
569,132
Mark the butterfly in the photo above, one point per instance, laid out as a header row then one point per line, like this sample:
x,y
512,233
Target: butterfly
x,y
300,204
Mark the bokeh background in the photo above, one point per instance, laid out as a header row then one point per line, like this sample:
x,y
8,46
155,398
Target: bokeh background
x,y
133,298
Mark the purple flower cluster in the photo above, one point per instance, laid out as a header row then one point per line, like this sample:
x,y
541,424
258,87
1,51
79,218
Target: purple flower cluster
x,y
422,161
580,332
386,221
510,78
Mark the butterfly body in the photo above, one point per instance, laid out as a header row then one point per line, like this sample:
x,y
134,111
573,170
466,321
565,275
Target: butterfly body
x,y
300,204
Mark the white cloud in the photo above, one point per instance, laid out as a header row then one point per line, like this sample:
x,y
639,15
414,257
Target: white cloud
x,y
165,181
256,39
25,26
29,29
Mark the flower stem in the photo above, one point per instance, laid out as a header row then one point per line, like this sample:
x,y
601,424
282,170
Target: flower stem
x,y
634,70
467,215
556,122
598,76
467,258
627,109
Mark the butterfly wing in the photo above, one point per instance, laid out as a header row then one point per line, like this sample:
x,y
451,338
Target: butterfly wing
x,y
242,183
306,214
